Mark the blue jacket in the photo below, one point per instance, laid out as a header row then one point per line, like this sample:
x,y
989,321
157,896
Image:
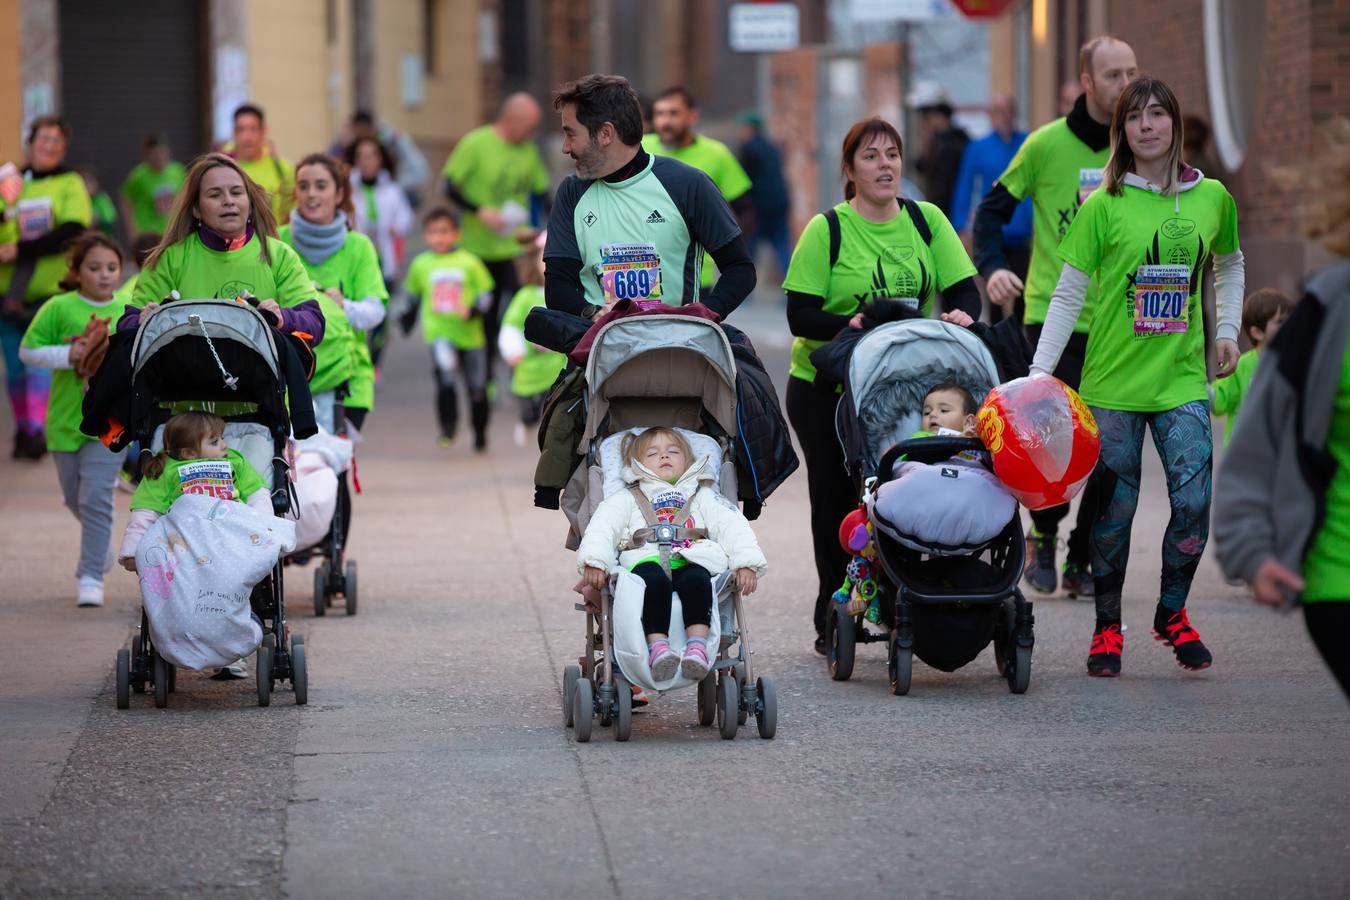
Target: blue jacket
x,y
981,165
768,190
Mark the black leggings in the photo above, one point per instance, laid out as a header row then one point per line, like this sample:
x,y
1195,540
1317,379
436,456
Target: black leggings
x,y
505,283
1328,623
693,584
811,412
1069,371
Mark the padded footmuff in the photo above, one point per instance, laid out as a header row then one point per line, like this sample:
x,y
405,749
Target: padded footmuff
x,y
953,508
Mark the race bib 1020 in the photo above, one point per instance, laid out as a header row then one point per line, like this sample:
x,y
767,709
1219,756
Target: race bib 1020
x,y
629,272
1161,296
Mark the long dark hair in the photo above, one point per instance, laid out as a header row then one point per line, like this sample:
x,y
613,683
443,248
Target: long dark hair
x,y
80,249
386,158
1136,96
860,135
183,221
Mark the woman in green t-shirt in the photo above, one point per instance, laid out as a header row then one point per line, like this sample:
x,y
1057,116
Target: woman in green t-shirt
x,y
1145,238
52,209
865,249
346,270
222,243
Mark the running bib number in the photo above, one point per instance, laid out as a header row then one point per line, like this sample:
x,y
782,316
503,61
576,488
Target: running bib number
x,y
212,477
162,196
629,272
35,217
447,292
1088,181
1161,296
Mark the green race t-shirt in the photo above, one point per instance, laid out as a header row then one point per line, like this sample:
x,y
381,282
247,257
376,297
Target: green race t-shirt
x,y
449,285
1229,392
714,159
1058,172
276,176
151,194
58,322
539,368
104,212
199,273
493,172
877,260
43,204
1146,342
1326,568
642,238
231,478
355,271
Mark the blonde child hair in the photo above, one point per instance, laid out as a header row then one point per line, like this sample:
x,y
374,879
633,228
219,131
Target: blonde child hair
x,y
183,432
635,445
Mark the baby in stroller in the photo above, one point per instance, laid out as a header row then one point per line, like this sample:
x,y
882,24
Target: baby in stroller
x,y
668,488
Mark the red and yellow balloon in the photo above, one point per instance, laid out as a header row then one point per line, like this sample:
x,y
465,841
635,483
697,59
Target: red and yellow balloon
x,y
1042,437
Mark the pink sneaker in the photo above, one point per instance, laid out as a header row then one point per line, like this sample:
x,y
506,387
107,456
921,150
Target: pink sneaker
x,y
695,663
662,660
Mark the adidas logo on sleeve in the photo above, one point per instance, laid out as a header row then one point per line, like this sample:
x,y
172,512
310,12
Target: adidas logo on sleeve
x,y
656,218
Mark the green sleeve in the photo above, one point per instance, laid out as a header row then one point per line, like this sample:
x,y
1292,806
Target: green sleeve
x,y
809,270
246,478
1227,239
45,329
154,284
76,205
1228,394
367,280
519,308
294,284
731,178
151,493
415,283
1082,244
461,161
1019,179
130,186
949,254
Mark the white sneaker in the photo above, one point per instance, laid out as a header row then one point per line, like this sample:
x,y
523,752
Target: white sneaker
x,y
89,592
234,671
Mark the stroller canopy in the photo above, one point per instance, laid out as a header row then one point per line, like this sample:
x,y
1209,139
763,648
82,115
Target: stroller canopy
x,y
666,370
890,372
220,320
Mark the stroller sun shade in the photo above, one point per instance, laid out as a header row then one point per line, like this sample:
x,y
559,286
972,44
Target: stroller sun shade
x,y
891,370
667,370
206,350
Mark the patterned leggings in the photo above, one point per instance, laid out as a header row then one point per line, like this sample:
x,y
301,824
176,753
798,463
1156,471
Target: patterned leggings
x,y
1185,446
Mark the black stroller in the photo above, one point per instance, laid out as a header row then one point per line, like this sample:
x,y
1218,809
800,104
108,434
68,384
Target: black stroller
x,y
221,354
946,608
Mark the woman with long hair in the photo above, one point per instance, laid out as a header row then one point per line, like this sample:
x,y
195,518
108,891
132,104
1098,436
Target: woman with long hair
x,y
383,214
1145,237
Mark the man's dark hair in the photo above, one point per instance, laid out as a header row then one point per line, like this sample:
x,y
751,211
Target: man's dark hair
x,y
363,117
680,91
968,405
153,140
248,109
437,213
604,98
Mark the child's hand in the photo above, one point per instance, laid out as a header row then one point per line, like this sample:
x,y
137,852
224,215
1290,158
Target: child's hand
x,y
746,581
129,563
595,578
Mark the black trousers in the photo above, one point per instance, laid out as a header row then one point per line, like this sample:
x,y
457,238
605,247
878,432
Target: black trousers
x,y
505,284
1329,625
693,584
1070,371
833,496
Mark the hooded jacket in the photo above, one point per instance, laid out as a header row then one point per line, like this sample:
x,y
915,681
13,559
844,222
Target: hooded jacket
x,y
731,544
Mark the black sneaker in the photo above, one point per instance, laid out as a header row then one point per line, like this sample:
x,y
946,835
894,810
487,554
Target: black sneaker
x,y
1077,581
1174,629
1040,565
1108,644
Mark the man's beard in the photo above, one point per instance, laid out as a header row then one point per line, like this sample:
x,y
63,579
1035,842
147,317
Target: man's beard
x,y
590,160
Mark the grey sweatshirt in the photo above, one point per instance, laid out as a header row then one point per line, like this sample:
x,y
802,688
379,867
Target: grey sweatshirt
x,y
1268,500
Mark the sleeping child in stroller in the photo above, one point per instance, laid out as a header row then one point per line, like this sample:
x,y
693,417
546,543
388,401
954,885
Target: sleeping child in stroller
x,y
194,460
667,487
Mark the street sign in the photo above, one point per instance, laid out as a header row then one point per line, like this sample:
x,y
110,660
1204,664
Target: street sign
x,y
982,9
764,27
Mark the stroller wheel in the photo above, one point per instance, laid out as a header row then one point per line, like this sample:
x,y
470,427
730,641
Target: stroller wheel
x,y
740,686
571,675
841,641
583,710
349,587
1003,637
173,678
766,709
321,589
299,671
728,705
1019,673
139,665
123,678
901,668
161,682
707,699
264,665
623,715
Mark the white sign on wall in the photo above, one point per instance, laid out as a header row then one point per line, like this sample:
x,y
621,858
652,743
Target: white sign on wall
x,y
764,27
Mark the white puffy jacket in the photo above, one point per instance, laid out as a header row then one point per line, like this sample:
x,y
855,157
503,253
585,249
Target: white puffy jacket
x,y
730,544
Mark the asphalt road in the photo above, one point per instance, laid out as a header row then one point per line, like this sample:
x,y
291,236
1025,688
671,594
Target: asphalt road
x,y
432,760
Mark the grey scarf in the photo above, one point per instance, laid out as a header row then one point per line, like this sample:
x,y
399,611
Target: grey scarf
x,y
316,243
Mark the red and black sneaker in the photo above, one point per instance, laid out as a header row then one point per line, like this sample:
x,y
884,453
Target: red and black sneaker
x,y
1174,629
1108,643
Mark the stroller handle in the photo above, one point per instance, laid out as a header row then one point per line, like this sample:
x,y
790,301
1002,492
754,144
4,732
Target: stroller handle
x,y
925,450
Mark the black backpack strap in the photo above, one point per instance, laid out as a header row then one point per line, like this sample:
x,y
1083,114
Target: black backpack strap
x,y
832,222
920,223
